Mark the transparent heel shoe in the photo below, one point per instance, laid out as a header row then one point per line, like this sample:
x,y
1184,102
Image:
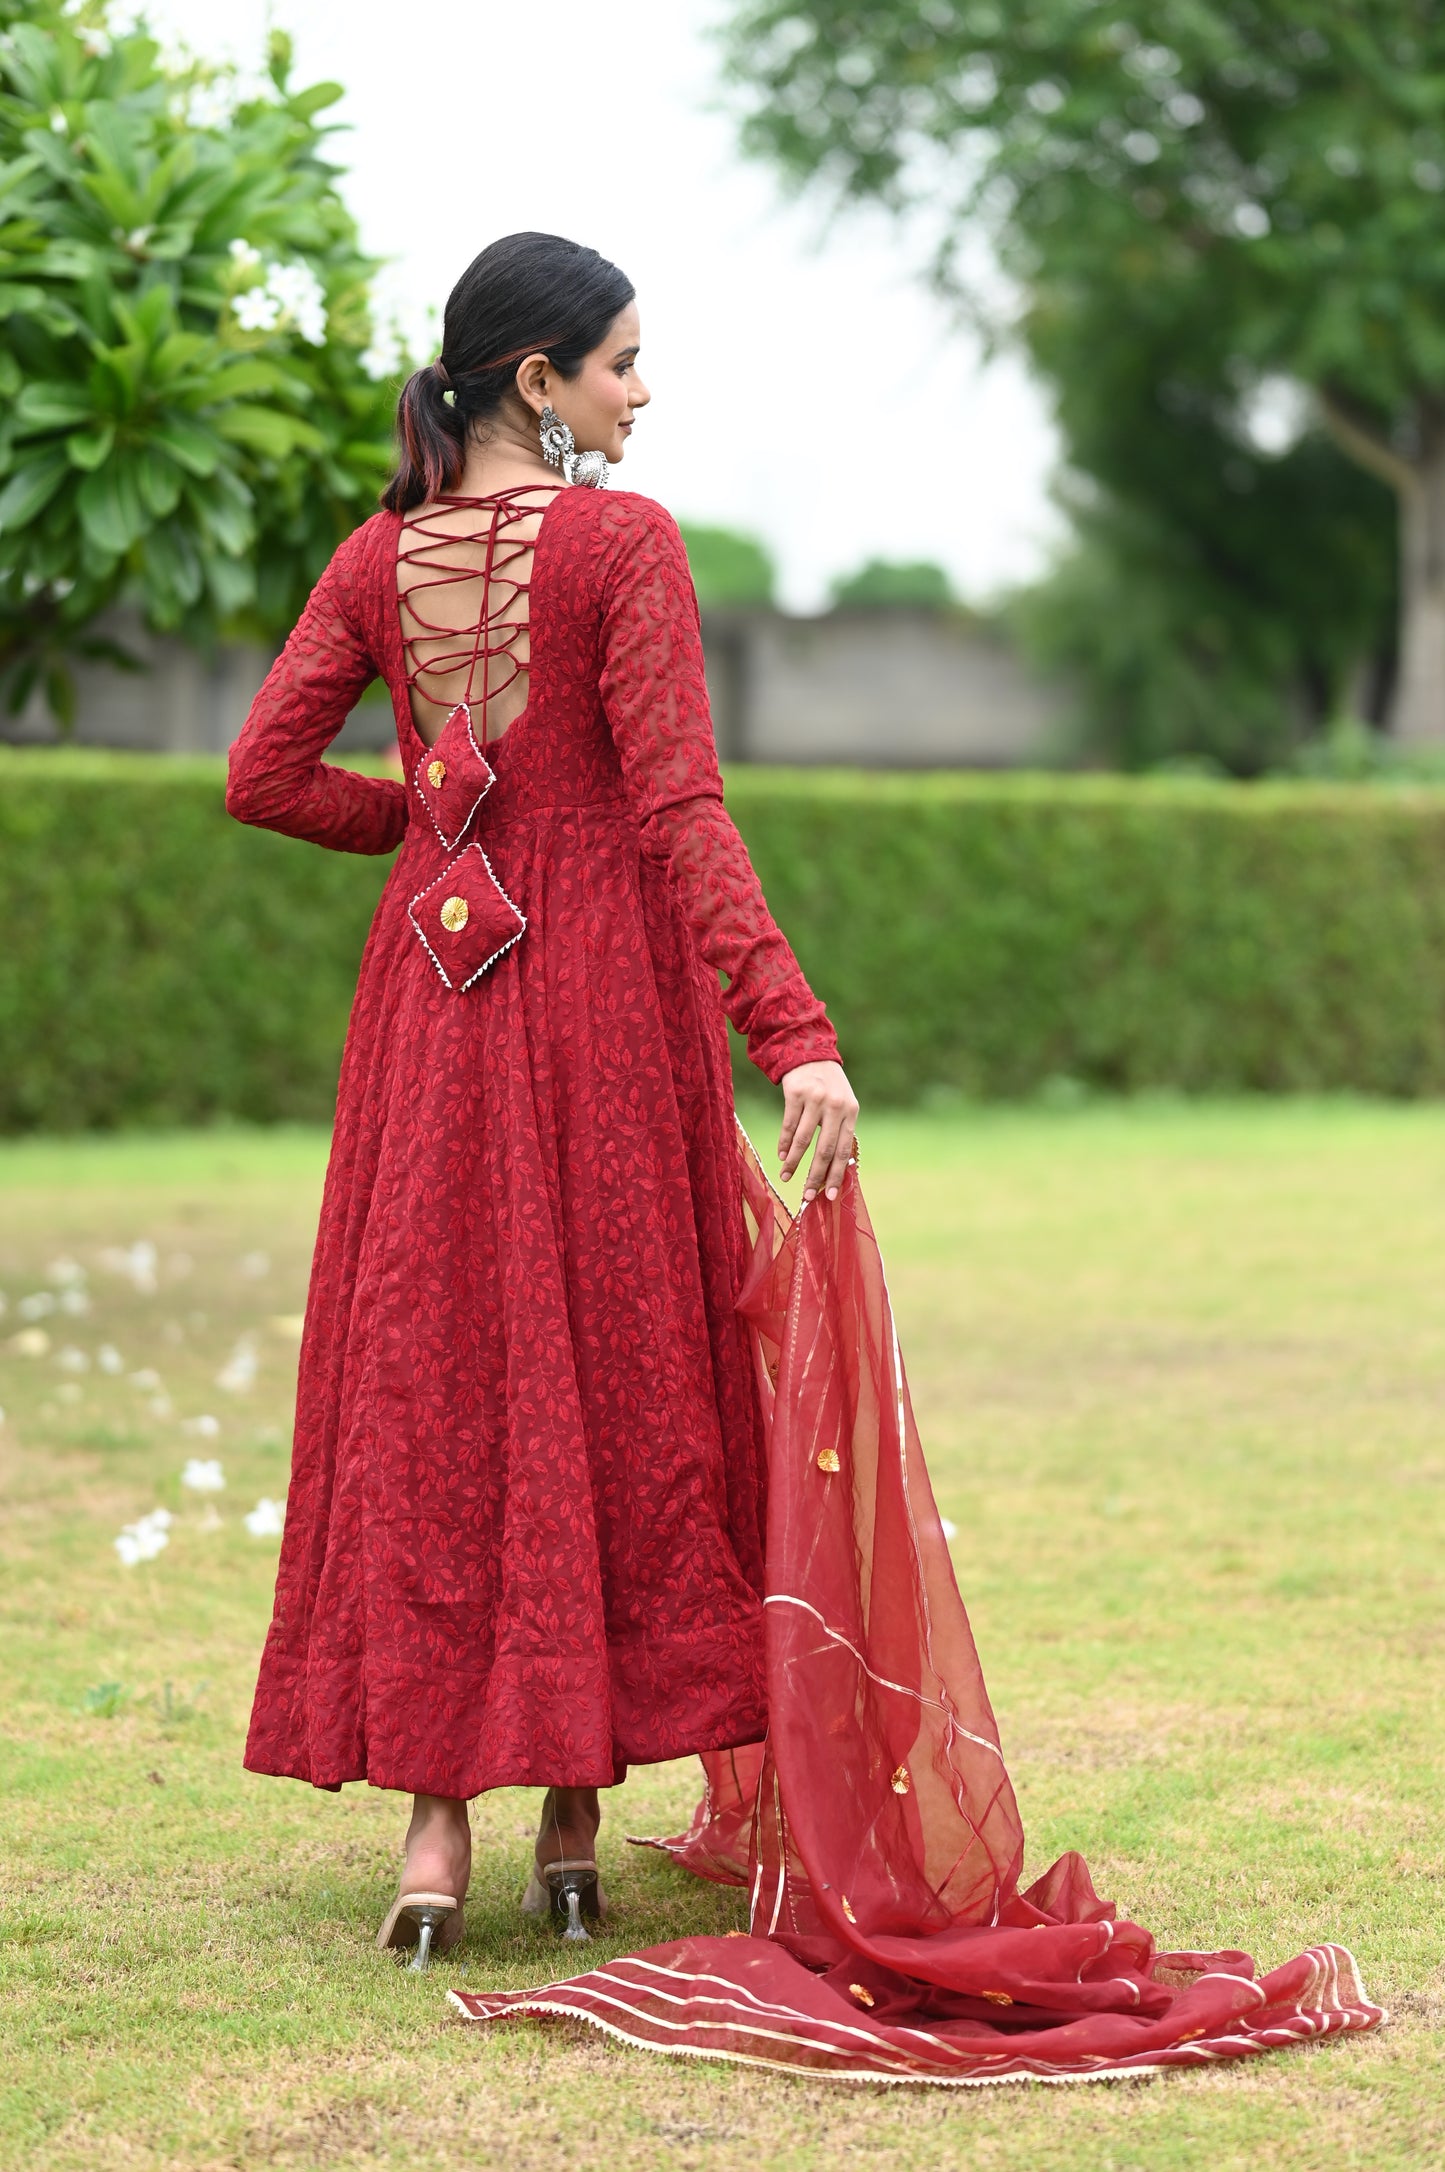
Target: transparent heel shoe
x,y
566,1892
426,1922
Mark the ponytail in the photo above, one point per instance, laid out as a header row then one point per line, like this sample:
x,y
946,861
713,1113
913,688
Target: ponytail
x,y
526,294
431,437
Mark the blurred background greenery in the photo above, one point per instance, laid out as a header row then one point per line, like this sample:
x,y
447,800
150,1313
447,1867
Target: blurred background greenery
x,y
1216,233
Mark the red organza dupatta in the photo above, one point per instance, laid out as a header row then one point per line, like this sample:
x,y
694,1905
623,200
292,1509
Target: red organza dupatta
x,y
876,1828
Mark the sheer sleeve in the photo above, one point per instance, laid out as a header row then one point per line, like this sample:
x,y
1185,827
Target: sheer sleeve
x,y
655,697
277,777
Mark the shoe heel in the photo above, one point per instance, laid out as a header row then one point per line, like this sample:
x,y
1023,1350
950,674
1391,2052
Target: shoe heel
x,y
573,1892
427,1921
573,1900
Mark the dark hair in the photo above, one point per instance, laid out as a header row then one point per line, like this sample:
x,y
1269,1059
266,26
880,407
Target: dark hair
x,y
526,294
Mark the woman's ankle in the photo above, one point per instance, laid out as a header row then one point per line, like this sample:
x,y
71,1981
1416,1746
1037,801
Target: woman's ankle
x,y
439,1845
568,1827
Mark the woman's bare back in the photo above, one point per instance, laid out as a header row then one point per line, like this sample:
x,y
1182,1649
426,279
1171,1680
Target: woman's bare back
x,y
463,572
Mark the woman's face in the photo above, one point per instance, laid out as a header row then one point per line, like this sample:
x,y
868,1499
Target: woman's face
x,y
598,404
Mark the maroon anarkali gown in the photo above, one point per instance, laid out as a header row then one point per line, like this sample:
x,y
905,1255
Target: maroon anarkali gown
x,y
524,1534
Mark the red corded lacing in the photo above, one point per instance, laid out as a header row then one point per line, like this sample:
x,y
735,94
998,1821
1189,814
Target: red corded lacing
x,y
493,638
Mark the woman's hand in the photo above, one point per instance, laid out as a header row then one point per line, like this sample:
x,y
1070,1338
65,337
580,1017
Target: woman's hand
x,y
817,1098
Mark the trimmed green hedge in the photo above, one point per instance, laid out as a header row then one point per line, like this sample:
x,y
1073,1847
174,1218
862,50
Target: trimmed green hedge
x,y
161,963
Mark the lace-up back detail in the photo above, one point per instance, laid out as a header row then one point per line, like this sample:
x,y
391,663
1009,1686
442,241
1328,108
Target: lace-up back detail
x,y
463,574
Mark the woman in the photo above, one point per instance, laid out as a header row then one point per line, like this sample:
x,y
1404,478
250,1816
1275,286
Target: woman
x,y
524,1531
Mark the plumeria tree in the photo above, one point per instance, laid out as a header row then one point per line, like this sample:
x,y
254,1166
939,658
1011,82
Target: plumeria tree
x,y
1273,169
195,396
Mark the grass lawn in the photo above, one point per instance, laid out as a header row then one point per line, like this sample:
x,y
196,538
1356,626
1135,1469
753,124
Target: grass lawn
x,y
1180,1372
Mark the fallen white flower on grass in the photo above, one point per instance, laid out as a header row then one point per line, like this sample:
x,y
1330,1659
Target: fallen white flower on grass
x,y
75,1302
30,1342
147,1378
203,1428
65,1273
137,1262
144,1539
109,1359
203,1475
239,1371
161,1406
254,1265
267,1519
71,1360
69,1391
38,1306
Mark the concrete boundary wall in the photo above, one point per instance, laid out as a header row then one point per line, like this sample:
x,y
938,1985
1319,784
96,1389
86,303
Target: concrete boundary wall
x,y
895,689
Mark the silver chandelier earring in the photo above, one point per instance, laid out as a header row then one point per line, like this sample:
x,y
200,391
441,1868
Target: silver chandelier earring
x,y
559,450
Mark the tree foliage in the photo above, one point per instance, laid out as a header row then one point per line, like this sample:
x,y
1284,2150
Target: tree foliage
x,y
728,568
1231,585
193,416
892,584
1252,188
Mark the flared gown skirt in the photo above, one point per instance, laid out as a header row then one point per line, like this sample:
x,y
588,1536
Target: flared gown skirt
x,y
524,1534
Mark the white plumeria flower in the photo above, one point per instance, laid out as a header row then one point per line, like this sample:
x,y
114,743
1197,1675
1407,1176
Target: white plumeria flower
x,y
383,358
144,1539
109,1359
298,293
38,1306
203,1428
204,1475
267,1519
239,1371
256,310
71,1360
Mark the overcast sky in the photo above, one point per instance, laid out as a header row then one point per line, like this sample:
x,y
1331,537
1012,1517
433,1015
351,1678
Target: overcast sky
x,y
804,387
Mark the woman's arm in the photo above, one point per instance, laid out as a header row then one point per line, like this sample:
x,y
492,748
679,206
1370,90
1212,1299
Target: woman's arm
x,y
655,696
277,777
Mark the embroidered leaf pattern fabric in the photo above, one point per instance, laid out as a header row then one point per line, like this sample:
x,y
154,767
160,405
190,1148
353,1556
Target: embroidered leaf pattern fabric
x,y
524,1535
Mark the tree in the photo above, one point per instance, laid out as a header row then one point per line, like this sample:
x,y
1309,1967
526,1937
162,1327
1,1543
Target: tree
x,y
728,568
1273,166
1186,617
194,412
884,584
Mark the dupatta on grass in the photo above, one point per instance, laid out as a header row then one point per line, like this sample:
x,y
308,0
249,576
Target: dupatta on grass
x,y
876,1828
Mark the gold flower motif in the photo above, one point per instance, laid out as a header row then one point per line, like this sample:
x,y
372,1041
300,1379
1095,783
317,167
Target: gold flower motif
x,y
436,775
862,1994
828,1459
455,915
901,1781
996,1998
